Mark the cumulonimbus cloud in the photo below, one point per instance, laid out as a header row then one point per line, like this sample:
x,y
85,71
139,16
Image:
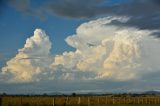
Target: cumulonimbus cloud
x,y
31,59
103,51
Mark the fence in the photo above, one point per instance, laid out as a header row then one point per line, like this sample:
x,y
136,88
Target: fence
x,y
76,101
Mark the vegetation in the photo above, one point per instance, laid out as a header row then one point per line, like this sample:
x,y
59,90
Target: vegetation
x,y
80,100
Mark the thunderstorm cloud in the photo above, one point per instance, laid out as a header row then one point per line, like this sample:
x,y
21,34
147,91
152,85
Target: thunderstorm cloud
x,y
103,51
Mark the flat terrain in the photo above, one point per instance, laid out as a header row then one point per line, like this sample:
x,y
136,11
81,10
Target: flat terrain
x,y
79,101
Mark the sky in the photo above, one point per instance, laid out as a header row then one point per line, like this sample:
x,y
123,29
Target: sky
x,y
82,46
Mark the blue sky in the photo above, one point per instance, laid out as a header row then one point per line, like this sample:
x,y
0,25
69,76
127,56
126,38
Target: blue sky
x,y
81,34
16,27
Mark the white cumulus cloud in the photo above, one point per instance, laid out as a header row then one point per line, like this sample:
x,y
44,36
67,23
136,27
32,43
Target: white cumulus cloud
x,y
106,51
103,52
30,60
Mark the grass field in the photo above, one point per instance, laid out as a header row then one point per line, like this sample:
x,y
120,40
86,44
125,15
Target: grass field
x,y
79,101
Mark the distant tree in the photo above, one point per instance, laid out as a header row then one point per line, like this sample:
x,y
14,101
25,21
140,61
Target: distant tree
x,y
73,94
45,94
4,94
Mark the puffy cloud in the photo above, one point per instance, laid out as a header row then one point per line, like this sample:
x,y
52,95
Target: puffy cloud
x,y
104,51
30,60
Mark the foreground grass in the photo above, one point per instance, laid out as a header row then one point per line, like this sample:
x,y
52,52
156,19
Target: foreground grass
x,y
79,101
129,105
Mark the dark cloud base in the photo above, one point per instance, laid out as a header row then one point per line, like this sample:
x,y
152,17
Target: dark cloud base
x,y
144,14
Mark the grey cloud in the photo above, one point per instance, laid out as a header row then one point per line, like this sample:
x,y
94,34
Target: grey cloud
x,y
76,8
156,34
144,14
24,6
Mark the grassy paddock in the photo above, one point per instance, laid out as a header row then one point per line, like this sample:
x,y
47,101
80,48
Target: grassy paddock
x,y
79,101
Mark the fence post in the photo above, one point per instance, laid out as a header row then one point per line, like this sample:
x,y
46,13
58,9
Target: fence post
x,y
66,101
98,100
155,100
145,100
53,101
88,101
137,100
79,101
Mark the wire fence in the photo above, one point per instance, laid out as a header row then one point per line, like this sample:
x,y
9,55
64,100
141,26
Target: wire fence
x,y
75,101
